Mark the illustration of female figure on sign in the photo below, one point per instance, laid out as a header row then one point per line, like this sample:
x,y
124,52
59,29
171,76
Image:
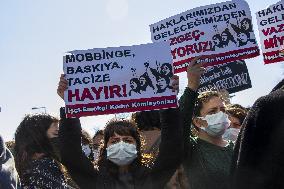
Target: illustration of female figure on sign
x,y
244,32
152,80
145,83
135,86
217,42
163,83
166,70
228,39
223,40
246,26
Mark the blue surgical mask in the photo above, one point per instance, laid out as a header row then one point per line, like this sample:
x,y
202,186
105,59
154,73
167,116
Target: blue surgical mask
x,y
217,124
121,153
231,134
87,150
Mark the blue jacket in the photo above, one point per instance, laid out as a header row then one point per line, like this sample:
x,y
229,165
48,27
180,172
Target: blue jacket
x,y
8,172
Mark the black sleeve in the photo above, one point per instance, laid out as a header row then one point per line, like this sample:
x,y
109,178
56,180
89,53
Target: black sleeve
x,y
77,164
171,146
187,102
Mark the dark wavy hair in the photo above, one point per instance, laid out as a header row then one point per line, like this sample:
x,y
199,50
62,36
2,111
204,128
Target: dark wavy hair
x,y
31,137
124,128
86,138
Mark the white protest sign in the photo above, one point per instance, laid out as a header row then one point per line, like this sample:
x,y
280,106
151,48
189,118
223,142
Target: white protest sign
x,y
271,30
223,30
118,79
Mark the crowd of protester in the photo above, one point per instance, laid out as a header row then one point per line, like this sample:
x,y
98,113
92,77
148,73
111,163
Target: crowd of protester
x,y
205,143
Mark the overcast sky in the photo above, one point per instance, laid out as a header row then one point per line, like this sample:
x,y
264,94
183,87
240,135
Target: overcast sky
x,y
35,34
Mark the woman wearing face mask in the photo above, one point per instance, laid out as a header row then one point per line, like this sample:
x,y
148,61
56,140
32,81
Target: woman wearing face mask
x,y
97,143
237,114
120,164
208,156
87,145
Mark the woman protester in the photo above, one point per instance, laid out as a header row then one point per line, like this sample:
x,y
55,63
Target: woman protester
x,y
87,145
237,114
208,156
35,158
120,163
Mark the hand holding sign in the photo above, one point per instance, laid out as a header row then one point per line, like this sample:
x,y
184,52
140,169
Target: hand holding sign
x,y
62,86
194,71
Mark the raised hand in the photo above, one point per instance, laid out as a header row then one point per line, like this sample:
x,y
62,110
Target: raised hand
x,y
194,72
62,86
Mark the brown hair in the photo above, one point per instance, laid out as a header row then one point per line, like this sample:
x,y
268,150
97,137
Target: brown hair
x,y
121,127
237,111
202,98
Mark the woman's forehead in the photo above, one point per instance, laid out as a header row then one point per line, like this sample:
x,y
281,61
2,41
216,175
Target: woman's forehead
x,y
214,102
115,135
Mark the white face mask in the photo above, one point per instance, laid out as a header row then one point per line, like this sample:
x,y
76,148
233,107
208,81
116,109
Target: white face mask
x,y
217,124
121,153
231,134
87,150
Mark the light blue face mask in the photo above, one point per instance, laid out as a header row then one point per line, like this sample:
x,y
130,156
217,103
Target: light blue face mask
x,y
121,153
231,134
217,124
87,150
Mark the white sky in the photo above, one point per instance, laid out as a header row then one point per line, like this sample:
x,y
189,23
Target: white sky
x,y
35,34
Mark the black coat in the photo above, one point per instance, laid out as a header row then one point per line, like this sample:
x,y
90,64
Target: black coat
x,y
258,161
86,176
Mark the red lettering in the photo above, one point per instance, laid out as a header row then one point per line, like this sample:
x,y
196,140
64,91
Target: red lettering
x,y
124,90
280,39
106,92
181,51
173,41
196,34
97,92
273,30
71,95
114,90
174,53
86,94
269,43
198,47
265,32
188,36
189,49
